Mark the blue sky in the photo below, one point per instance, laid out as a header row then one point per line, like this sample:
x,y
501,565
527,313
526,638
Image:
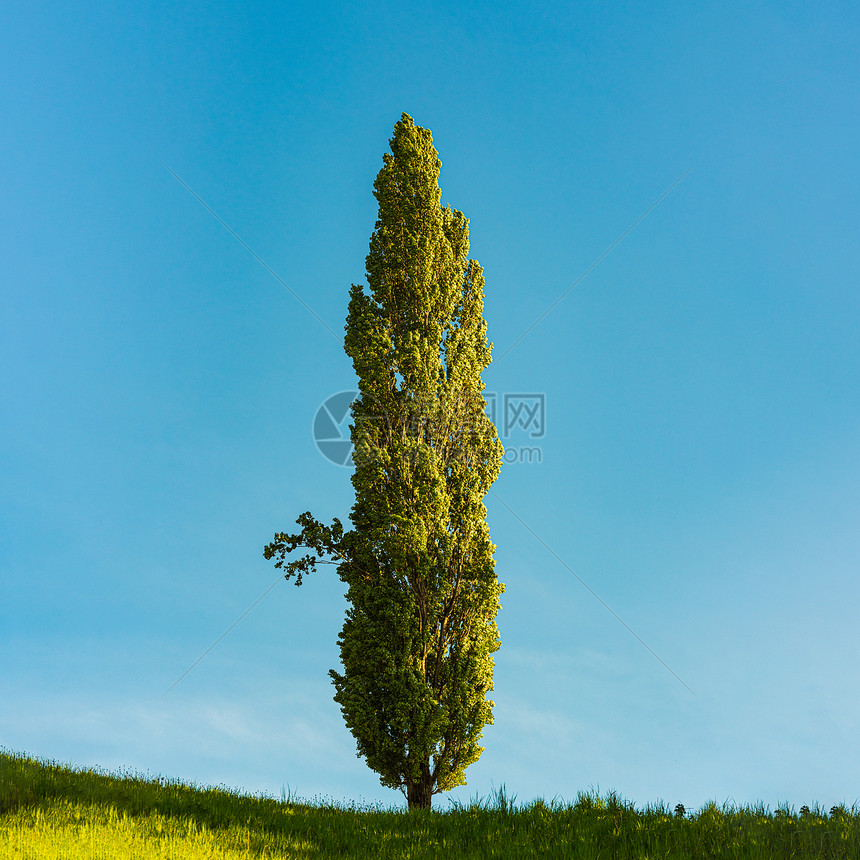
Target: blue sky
x,y
700,461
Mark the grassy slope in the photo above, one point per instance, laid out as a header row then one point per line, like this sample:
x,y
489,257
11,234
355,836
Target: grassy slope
x,y
51,811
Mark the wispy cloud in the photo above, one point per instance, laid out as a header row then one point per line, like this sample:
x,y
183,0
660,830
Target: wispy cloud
x,y
255,744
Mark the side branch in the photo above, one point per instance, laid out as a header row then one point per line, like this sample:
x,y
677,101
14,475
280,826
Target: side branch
x,y
325,540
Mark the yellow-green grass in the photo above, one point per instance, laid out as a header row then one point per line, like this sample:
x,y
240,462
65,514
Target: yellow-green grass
x,y
53,811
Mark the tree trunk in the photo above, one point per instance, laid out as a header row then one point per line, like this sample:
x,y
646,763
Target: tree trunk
x,y
420,793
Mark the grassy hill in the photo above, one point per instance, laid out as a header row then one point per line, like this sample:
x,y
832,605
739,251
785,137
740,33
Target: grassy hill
x,y
53,811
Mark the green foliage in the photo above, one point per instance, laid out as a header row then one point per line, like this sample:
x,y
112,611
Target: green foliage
x,y
48,812
420,632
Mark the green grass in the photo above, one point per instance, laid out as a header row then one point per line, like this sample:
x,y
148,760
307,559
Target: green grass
x,y
52,811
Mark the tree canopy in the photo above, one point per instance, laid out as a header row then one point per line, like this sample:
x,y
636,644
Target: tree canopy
x,y
420,632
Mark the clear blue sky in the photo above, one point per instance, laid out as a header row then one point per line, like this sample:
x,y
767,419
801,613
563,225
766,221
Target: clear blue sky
x,y
701,457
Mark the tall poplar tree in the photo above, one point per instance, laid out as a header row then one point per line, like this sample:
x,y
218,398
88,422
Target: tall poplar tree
x,y
420,630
